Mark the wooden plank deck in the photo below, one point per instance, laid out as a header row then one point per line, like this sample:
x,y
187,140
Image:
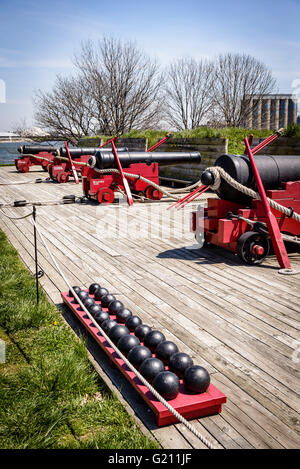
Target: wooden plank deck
x,y
240,322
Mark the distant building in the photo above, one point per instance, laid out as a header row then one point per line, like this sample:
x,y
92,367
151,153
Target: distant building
x,y
271,111
8,135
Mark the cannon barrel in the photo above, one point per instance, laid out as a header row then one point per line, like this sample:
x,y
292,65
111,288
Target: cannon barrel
x,y
78,152
106,159
35,149
273,169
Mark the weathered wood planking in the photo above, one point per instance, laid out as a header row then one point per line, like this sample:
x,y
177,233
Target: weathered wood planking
x,y
240,322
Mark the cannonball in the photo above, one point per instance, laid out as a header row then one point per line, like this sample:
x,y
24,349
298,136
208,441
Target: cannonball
x,y
127,342
132,322
76,289
141,331
115,306
93,287
152,339
123,314
101,316
150,368
166,384
179,362
108,324
138,354
99,293
117,331
196,379
107,299
165,350
94,309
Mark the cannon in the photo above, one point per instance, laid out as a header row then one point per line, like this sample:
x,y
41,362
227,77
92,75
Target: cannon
x,y
34,155
60,168
238,222
100,184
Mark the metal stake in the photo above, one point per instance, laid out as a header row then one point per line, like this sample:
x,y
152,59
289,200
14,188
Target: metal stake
x,y
35,256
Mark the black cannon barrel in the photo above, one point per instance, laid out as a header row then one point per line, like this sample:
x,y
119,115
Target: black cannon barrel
x,y
78,152
273,169
35,149
105,160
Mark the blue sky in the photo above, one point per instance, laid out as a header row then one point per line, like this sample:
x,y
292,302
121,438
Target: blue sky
x,y
39,38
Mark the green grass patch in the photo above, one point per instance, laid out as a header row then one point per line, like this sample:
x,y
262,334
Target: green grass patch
x,y
235,135
292,130
50,395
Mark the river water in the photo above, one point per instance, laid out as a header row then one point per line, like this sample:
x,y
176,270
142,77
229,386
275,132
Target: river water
x,y
9,151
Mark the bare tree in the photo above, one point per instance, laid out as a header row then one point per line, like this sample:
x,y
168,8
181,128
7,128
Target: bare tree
x,y
188,92
238,78
67,110
124,83
20,127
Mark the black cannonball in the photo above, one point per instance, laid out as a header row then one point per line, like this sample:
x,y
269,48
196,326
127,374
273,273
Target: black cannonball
x,y
166,384
117,331
115,306
196,379
165,350
132,322
123,314
101,316
99,293
88,302
76,290
138,354
94,309
152,339
82,295
127,342
105,300
141,331
108,324
93,287
179,362
150,368
207,178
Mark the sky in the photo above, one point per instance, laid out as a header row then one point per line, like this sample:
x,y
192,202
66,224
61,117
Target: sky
x,y
38,39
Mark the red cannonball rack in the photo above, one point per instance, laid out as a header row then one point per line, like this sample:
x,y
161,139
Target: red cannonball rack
x,y
189,405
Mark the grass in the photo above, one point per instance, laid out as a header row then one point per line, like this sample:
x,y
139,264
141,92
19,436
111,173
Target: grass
x,y
292,130
50,395
235,135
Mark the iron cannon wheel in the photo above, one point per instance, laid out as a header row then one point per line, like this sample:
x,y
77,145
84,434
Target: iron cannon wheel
x,y
252,247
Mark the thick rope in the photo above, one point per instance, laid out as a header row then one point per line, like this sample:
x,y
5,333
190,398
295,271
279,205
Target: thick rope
x,y
206,442
220,172
15,218
137,176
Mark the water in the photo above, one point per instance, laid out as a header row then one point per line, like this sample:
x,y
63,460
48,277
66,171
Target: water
x,y
9,151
